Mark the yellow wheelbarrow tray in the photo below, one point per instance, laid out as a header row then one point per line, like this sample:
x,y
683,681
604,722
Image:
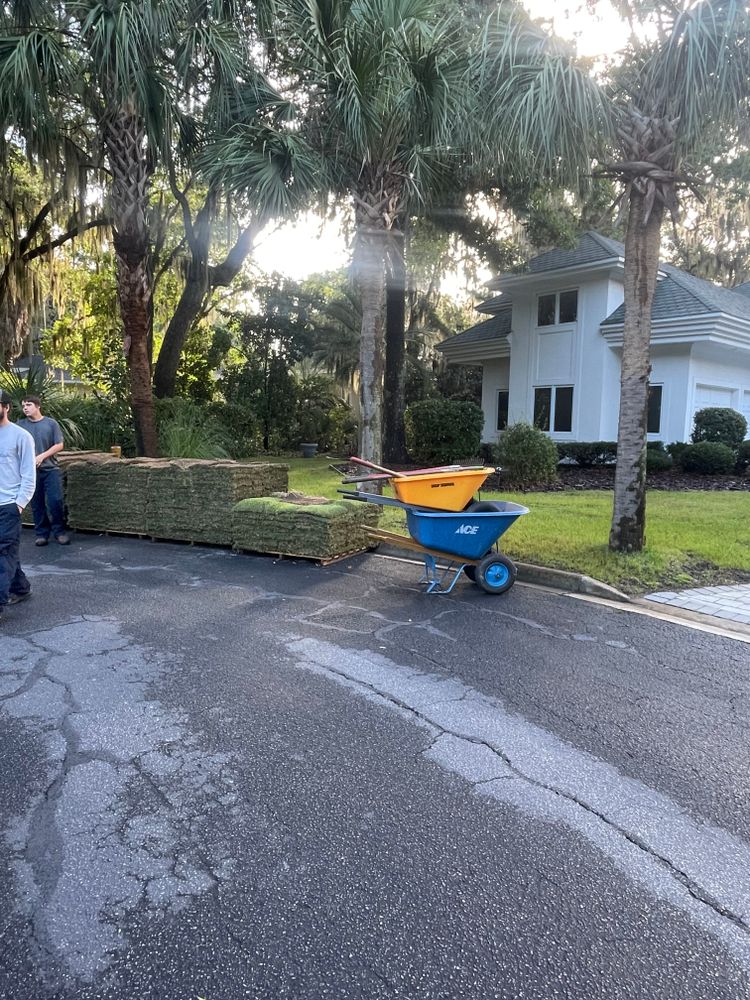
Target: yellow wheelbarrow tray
x,y
449,489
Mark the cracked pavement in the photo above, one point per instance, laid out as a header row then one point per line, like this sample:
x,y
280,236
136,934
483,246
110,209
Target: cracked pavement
x,y
231,777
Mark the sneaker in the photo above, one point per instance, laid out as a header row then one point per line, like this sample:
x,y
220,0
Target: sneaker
x,y
17,598
40,541
63,540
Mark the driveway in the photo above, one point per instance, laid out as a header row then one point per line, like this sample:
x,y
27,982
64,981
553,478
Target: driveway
x,y
228,777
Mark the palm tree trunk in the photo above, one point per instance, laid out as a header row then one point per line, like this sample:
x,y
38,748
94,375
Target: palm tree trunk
x,y
394,434
370,275
642,244
125,141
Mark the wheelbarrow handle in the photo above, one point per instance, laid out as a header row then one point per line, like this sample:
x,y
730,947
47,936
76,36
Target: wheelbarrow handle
x,y
372,465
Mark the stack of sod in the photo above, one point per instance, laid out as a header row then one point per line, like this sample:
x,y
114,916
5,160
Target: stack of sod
x,y
182,499
292,525
107,494
64,459
191,500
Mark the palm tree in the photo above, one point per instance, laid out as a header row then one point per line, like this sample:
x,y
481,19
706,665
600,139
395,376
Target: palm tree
x,y
386,90
650,128
135,70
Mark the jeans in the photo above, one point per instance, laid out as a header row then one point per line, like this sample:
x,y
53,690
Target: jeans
x,y
47,503
12,577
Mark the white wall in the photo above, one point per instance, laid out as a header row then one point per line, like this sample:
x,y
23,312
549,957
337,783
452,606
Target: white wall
x,y
573,355
730,381
495,376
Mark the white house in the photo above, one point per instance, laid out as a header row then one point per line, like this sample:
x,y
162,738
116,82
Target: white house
x,y
550,350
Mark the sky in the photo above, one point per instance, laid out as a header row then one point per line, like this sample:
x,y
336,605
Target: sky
x,y
307,246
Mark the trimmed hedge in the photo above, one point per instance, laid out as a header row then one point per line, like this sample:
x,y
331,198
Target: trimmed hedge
x,y
588,453
657,460
440,431
707,458
720,424
743,457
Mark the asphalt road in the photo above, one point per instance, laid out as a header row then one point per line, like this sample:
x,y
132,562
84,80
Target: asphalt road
x,y
227,777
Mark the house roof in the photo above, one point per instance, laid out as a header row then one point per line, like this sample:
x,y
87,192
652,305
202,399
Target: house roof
x,y
681,294
591,249
494,328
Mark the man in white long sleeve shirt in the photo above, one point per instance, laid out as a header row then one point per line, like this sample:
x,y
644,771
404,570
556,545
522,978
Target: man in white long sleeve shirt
x,y
17,483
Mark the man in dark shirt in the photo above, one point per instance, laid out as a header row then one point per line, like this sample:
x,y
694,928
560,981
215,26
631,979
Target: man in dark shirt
x,y
47,503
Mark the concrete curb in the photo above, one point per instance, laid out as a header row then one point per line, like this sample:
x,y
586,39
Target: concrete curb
x,y
576,583
542,576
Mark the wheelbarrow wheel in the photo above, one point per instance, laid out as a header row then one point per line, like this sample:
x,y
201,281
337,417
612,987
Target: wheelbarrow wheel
x,y
496,574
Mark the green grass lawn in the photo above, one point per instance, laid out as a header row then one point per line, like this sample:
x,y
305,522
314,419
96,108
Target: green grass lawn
x,y
692,538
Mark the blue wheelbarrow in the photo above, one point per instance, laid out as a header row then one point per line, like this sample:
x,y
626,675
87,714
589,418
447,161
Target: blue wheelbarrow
x,y
464,541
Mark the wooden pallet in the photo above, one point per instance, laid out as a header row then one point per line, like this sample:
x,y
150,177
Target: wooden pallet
x,y
318,560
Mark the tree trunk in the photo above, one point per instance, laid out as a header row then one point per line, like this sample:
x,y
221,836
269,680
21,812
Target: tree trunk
x,y
125,141
370,275
170,353
642,244
394,435
200,281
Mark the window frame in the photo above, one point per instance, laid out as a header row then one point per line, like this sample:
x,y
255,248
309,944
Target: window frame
x,y
660,386
497,409
553,407
557,294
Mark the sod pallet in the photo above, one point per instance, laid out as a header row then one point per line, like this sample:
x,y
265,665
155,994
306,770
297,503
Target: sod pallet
x,y
64,459
191,500
105,493
321,530
188,500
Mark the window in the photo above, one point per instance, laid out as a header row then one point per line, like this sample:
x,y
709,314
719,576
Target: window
x,y
653,424
502,409
542,408
564,408
553,408
554,309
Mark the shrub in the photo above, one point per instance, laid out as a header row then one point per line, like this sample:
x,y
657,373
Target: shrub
x,y
707,458
588,453
743,457
527,455
655,446
342,430
657,460
100,423
186,431
721,424
676,449
439,431
240,427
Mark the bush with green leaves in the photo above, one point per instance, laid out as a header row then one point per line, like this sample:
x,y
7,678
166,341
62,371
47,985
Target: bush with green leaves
x,y
707,458
588,453
720,424
242,430
442,431
657,460
675,450
743,458
186,430
101,423
528,457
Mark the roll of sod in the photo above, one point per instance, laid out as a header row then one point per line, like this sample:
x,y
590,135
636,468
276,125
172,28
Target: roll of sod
x,y
302,526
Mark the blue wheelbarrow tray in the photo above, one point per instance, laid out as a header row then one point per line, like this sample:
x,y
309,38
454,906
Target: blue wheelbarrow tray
x,y
466,534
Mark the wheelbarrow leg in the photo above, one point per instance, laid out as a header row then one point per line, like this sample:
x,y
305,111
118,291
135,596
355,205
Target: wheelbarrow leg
x,y
435,579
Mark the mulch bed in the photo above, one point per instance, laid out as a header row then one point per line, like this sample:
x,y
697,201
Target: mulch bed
x,y
603,478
